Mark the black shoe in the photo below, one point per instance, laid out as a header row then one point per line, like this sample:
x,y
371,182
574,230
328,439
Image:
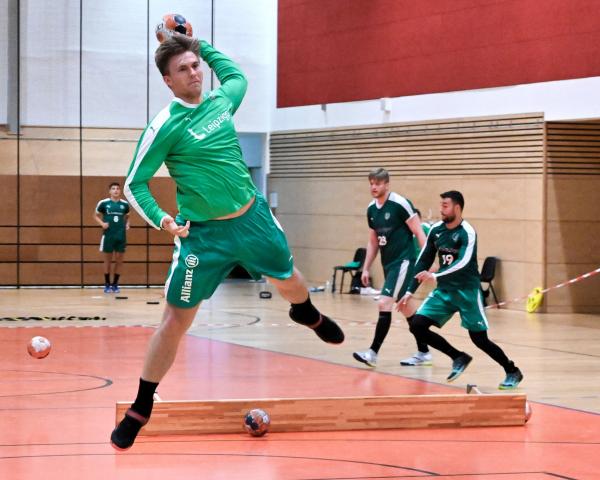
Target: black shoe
x,y
123,436
328,331
512,380
459,365
325,328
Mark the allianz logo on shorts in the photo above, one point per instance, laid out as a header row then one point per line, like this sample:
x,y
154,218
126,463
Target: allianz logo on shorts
x,y
191,261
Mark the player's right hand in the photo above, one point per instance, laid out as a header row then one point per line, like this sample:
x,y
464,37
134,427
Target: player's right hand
x,y
403,301
364,278
169,224
105,225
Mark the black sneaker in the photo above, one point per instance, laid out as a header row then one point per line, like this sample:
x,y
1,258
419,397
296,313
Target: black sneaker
x,y
512,380
459,365
123,436
325,328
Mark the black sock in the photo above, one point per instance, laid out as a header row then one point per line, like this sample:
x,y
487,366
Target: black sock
x,y
107,279
304,313
116,280
145,398
381,330
421,347
484,343
419,327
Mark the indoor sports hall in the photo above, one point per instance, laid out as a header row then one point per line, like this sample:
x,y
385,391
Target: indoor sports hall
x,y
495,99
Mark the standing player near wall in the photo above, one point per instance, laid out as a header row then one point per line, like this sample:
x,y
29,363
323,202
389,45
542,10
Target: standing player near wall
x,y
114,222
223,220
392,223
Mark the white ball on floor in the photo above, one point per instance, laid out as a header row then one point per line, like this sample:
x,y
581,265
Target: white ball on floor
x,y
39,347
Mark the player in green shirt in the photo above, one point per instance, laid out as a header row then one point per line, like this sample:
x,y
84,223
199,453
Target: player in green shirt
x,y
458,290
393,223
222,222
112,214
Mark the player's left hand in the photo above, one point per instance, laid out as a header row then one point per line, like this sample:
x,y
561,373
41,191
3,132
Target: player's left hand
x,y
425,276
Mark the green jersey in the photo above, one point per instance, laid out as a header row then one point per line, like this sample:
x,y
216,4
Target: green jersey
x,y
457,254
115,214
199,146
389,222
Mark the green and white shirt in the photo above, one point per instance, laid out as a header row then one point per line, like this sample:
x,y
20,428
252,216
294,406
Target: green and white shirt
x,y
389,222
457,254
115,214
199,145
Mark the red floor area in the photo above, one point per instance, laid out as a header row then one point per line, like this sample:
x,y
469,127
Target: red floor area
x,y
57,414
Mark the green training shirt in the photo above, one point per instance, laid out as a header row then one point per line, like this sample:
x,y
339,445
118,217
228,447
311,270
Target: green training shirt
x,y
389,222
199,145
115,214
457,254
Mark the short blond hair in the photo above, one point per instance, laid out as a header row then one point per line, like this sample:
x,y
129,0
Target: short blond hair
x,y
379,174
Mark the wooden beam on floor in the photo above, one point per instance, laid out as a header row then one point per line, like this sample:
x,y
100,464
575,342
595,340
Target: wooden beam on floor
x,y
329,414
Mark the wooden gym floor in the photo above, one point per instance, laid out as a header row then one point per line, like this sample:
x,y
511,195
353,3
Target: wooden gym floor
x,y
56,414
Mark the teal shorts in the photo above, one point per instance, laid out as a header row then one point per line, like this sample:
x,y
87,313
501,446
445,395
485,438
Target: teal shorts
x,y
440,305
112,243
397,278
201,261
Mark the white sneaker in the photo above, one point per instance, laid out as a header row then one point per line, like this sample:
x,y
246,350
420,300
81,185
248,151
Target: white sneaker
x,y
368,357
418,359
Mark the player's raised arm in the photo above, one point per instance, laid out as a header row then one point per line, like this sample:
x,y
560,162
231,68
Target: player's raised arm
x,y
233,81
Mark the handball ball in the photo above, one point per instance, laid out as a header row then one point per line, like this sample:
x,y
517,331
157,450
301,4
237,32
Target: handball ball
x,y
173,23
39,347
256,422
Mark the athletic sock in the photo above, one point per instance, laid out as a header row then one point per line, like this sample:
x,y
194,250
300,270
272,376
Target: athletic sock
x,y
381,330
116,280
145,398
420,327
421,347
107,279
305,313
494,351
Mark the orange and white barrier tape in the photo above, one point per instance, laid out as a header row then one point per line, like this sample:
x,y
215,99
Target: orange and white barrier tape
x,y
539,292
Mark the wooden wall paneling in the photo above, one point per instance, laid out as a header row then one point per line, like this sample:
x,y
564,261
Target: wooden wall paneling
x,y
504,145
58,273
8,235
573,225
8,206
159,253
50,253
49,200
158,273
8,253
8,274
50,234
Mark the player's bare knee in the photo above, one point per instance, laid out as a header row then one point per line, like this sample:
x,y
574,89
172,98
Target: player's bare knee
x,y
385,304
